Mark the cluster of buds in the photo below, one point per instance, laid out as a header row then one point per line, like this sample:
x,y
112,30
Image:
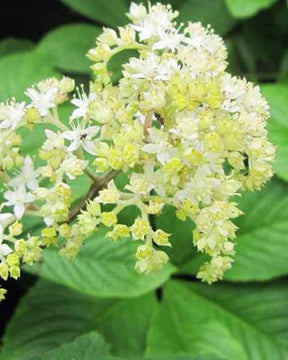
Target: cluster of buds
x,y
183,131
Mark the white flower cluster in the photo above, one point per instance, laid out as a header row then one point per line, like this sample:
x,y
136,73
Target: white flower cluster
x,y
183,131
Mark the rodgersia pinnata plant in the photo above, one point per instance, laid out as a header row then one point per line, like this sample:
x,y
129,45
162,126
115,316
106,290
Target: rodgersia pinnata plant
x,y
184,132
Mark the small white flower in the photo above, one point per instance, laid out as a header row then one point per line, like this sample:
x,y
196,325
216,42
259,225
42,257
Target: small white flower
x,y
43,100
17,198
4,248
27,176
152,67
5,219
136,12
11,114
149,25
54,140
73,166
82,104
168,40
80,137
158,145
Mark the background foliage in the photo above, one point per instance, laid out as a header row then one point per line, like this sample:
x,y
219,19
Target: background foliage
x,y
97,307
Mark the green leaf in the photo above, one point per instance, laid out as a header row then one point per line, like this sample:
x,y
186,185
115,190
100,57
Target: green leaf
x,y
19,71
262,238
12,45
247,321
86,347
213,12
181,357
263,45
51,315
106,12
92,346
69,45
277,95
103,268
246,8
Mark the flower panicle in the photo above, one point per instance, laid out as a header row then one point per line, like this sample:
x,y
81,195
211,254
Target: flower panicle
x,y
183,131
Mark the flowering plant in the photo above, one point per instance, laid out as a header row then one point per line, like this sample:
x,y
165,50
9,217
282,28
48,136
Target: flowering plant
x,y
183,131
126,191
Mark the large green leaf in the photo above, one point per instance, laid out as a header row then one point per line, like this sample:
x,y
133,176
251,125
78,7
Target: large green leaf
x,y
13,45
69,45
92,346
277,95
262,238
51,315
103,268
86,347
213,12
20,70
106,12
246,8
253,318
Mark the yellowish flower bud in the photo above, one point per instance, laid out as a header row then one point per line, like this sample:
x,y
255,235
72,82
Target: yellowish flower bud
x,y
15,272
161,238
109,219
12,259
4,270
20,246
16,228
140,228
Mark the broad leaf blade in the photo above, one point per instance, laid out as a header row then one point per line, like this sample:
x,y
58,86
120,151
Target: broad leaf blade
x,y
246,8
69,45
277,95
13,45
103,268
86,347
255,319
19,71
213,12
106,12
51,315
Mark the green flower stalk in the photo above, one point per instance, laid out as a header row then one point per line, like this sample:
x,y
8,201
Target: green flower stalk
x,y
184,132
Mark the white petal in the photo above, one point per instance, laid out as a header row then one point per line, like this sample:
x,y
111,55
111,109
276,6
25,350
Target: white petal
x,y
5,218
5,249
69,135
19,210
32,184
90,147
49,221
50,134
150,148
73,146
93,130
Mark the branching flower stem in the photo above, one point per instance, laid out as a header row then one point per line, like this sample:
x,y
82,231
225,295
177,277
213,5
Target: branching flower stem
x,y
148,122
98,184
